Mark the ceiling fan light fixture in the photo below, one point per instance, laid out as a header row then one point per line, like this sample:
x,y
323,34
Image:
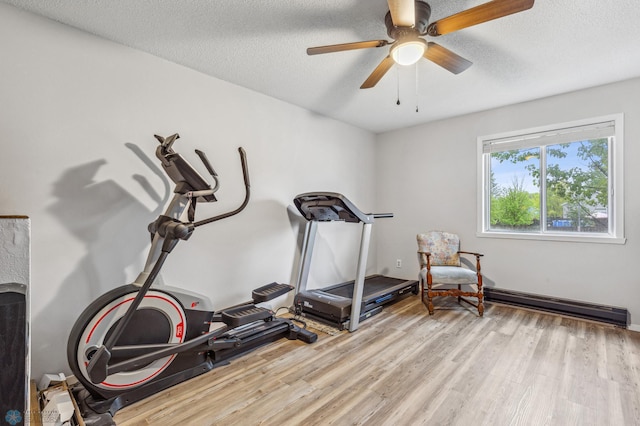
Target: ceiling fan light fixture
x,y
408,52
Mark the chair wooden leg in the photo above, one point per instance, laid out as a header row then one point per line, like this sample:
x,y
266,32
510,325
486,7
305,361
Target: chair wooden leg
x,y
427,303
429,294
480,295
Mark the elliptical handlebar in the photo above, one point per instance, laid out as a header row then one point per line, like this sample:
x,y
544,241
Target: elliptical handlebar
x,y
214,175
247,195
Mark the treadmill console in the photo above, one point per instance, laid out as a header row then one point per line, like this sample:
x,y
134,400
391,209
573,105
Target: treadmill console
x,y
329,206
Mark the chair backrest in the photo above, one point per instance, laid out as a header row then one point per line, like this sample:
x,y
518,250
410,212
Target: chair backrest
x,y
443,247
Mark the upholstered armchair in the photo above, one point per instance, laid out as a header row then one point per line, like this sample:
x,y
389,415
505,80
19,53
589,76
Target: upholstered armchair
x,y
441,272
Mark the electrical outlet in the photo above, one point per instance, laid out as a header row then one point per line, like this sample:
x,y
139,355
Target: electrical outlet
x,y
398,263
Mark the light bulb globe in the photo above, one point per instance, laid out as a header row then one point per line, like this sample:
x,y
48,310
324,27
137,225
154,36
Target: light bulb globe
x,y
408,52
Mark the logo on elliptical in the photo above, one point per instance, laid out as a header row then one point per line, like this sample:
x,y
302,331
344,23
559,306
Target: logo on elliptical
x,y
180,330
194,304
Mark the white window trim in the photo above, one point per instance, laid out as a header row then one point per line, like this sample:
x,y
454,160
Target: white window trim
x,y
616,186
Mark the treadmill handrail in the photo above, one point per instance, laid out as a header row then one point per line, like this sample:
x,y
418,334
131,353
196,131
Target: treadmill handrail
x,y
381,215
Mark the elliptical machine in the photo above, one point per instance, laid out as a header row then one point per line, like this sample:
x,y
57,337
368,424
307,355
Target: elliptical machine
x,y
135,340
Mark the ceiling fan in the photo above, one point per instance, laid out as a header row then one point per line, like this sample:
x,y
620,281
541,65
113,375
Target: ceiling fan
x,y
408,20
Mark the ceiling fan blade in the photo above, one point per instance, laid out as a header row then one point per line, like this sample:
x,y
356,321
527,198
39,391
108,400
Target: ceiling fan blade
x,y
446,58
403,12
346,46
378,73
476,15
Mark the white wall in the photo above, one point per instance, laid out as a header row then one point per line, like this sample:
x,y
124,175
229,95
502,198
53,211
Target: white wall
x,y
428,178
77,118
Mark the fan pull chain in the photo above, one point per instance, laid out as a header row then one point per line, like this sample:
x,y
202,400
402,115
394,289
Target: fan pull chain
x,y
398,85
417,98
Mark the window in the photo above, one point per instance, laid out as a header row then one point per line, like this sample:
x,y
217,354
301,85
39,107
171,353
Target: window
x,y
560,182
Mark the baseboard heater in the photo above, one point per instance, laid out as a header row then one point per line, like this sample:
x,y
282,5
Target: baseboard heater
x,y
607,314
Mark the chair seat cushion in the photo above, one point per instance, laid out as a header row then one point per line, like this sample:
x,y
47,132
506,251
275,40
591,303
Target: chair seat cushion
x,y
453,275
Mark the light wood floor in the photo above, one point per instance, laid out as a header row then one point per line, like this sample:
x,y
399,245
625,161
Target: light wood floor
x,y
511,367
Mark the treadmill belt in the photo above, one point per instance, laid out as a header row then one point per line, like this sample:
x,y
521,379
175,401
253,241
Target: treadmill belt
x,y
375,284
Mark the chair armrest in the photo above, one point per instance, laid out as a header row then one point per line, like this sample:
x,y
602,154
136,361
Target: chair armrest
x,y
478,256
471,253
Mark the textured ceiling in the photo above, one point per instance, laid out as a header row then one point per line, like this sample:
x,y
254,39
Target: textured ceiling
x,y
555,47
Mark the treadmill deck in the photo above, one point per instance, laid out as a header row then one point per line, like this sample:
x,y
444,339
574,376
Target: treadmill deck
x,y
333,304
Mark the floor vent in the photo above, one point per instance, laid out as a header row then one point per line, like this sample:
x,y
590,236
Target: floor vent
x,y
608,314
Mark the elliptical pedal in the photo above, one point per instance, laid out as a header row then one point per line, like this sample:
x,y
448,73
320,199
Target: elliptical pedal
x,y
270,291
245,314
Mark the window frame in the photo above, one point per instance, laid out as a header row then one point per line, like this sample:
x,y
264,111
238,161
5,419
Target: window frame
x,y
616,185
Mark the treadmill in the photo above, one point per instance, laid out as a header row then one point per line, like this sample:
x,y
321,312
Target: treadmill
x,y
343,305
